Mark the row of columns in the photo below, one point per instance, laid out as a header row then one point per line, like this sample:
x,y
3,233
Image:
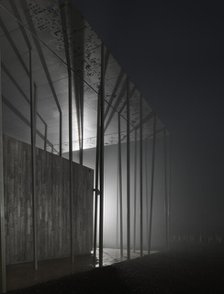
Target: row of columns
x,y
99,179
99,175
33,115
99,172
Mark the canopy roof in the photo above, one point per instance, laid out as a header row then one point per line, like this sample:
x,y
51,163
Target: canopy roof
x,y
39,24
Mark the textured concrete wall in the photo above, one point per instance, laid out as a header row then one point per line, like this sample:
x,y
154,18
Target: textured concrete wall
x,y
53,212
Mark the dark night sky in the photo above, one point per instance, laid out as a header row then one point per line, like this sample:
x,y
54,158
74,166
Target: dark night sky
x,y
173,51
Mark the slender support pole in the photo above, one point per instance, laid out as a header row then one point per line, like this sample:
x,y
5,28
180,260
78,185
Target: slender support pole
x,y
2,204
96,178
33,161
118,209
45,138
26,98
128,174
141,182
37,115
135,191
101,157
26,39
80,108
165,187
71,164
170,188
113,94
63,6
152,184
146,183
120,184
82,130
36,42
12,108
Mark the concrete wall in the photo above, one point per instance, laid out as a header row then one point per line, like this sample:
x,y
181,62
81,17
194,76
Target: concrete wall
x,y
53,219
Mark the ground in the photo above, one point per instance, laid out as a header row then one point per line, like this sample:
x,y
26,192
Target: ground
x,y
177,271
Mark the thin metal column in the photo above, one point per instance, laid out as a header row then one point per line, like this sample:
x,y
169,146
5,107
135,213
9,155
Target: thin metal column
x,y
82,131
71,163
45,138
26,39
152,184
135,190
170,188
36,42
120,184
63,6
128,172
37,115
165,187
33,161
96,178
117,210
60,133
2,203
101,157
141,183
146,183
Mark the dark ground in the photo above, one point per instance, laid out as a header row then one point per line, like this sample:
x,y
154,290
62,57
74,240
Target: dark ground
x,y
180,271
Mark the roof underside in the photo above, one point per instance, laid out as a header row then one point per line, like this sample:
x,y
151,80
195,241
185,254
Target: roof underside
x,y
39,23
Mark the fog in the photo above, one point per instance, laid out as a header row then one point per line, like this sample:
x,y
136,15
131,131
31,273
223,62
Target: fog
x,y
179,68
111,193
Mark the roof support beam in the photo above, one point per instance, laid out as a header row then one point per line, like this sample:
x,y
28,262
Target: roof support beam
x,y
113,95
6,71
24,119
115,107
